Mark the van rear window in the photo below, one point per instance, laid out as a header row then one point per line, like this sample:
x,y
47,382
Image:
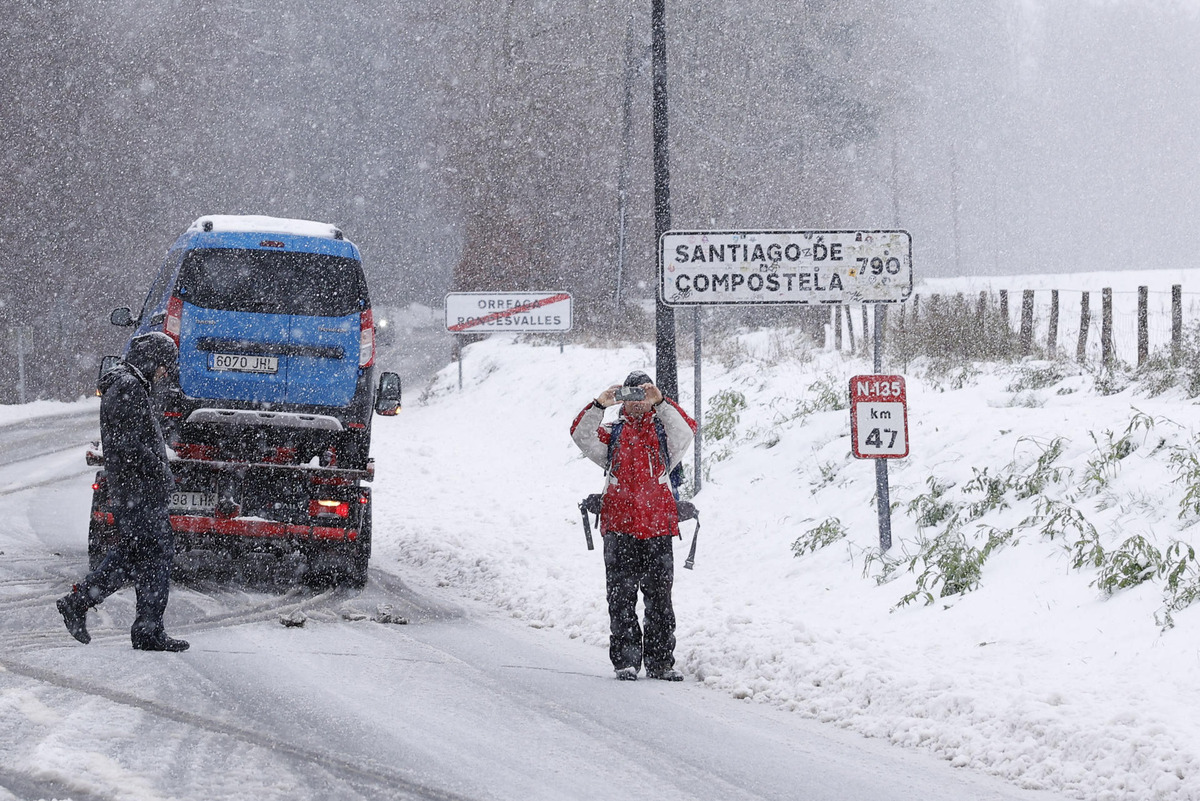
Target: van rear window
x,y
273,282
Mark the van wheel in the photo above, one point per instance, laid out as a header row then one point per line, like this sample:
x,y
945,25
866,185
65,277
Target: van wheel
x,y
358,554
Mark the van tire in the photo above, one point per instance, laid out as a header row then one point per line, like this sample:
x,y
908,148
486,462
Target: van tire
x,y
358,553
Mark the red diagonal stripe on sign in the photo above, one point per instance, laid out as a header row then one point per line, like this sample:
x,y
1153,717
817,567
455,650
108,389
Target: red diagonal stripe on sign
x,y
487,318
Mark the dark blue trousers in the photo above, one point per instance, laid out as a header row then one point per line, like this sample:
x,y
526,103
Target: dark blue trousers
x,y
142,556
647,565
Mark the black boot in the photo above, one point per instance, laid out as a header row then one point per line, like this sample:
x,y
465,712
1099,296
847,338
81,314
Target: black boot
x,y
74,615
161,643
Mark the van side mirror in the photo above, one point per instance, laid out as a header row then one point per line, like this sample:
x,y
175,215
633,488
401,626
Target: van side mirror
x,y
122,317
107,363
387,395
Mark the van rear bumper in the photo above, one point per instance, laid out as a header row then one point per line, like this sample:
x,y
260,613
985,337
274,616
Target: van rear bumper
x,y
248,528
250,417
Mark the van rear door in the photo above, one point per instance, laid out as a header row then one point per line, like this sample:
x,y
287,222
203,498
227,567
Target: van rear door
x,y
270,326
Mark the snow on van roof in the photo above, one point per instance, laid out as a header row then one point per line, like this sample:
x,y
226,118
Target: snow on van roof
x,y
255,223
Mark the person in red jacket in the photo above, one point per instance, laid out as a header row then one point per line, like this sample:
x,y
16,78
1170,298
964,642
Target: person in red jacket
x,y
638,518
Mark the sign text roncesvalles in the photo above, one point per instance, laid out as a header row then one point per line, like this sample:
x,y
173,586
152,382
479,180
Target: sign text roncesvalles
x,y
721,267
508,312
878,417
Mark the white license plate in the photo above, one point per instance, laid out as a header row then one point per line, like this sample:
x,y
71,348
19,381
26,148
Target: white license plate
x,y
182,501
245,364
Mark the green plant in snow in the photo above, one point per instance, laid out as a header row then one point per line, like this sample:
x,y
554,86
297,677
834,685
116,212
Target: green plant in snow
x,y
827,532
929,509
828,471
1187,464
1181,582
992,488
950,565
1042,472
1038,377
724,413
828,396
1132,563
1102,468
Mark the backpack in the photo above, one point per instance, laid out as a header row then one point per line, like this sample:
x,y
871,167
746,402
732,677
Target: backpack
x,y
686,509
676,477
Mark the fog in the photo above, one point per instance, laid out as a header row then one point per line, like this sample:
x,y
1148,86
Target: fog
x,y
476,144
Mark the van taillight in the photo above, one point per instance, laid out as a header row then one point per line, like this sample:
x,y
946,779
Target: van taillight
x,y
366,339
174,313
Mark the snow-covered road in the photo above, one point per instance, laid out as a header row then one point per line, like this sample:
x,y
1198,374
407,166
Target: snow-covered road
x,y
462,702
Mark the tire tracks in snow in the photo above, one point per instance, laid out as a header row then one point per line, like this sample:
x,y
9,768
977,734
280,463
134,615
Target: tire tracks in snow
x,y
372,780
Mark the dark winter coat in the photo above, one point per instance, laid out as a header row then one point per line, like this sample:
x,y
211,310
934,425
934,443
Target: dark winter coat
x,y
637,495
135,457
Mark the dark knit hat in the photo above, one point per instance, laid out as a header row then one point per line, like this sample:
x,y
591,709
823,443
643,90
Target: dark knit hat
x,y
147,352
637,378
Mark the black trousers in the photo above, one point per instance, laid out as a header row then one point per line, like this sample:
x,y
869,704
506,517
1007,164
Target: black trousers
x,y
648,565
142,555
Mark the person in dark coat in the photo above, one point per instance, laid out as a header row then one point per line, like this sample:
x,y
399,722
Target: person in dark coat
x,y
139,485
639,519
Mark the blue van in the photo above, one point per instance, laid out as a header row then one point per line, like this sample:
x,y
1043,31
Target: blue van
x,y
276,341
270,413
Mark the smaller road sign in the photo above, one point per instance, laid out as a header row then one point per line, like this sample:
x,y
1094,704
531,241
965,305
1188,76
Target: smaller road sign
x,y
878,417
508,312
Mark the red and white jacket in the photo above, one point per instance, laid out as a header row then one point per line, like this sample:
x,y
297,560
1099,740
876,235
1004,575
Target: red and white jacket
x,y
637,492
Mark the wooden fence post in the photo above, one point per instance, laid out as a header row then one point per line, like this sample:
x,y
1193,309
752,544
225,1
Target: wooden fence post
x,y
1106,322
1143,325
1052,339
1176,323
1085,320
1026,322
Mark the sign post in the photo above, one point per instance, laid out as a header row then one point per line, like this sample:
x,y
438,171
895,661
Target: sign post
x,y
507,313
879,431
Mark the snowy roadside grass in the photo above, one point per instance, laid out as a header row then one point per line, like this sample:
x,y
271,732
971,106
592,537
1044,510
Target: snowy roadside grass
x,y
19,413
1056,670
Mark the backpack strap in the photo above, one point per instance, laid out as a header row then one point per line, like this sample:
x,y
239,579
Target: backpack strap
x,y
614,438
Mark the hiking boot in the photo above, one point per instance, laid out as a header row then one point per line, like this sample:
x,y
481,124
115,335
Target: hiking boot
x,y
161,643
74,615
627,674
665,674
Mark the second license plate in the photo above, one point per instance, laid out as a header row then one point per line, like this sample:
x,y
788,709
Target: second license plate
x,y
183,501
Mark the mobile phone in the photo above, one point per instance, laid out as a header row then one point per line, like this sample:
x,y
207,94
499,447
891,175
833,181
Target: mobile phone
x,y
630,394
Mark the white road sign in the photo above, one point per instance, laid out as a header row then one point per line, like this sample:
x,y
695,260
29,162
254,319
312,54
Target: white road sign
x,y
508,312
722,267
878,417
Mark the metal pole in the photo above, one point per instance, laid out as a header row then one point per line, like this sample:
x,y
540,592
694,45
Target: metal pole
x,y
666,368
459,350
626,150
20,365
883,503
697,404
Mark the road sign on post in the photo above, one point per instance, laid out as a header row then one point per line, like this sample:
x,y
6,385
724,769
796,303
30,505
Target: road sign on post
x,y
508,312
878,417
879,431
701,268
